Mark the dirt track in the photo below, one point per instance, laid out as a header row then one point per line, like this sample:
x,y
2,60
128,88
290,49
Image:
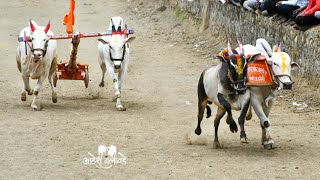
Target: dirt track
x,y
160,97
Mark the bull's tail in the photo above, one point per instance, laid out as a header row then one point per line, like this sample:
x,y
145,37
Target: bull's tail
x,y
209,112
249,113
18,58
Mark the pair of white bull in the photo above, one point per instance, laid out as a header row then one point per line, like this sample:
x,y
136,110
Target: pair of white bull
x,y
217,85
38,59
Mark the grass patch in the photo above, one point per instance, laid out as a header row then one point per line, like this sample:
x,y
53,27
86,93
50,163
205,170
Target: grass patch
x,y
184,16
180,14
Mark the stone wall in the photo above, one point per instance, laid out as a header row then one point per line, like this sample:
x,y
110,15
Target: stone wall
x,y
231,22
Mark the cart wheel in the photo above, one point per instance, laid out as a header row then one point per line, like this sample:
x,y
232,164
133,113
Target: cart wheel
x,y
55,79
86,80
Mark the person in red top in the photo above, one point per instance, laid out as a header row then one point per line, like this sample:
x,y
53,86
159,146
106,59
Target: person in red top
x,y
307,17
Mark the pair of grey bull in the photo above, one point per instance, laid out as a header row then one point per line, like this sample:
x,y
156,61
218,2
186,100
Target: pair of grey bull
x,y
224,84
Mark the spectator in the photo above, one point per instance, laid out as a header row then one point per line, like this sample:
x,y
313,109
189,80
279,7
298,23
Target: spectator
x,y
270,6
254,6
250,5
286,8
308,16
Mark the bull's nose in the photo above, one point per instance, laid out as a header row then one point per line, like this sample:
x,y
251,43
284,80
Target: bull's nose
x,y
39,55
287,85
117,66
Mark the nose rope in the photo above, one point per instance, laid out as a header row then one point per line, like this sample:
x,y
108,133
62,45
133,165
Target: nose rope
x,y
29,45
36,68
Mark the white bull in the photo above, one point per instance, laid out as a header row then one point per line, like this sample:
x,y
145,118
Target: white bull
x,y
37,60
114,53
263,97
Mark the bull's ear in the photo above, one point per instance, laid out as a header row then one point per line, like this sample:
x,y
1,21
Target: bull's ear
x,y
103,41
129,40
254,57
221,58
294,66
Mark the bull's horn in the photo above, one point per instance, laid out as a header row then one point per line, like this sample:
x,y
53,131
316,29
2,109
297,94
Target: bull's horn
x,y
32,26
113,27
112,22
275,48
229,49
240,47
280,48
47,27
268,51
119,27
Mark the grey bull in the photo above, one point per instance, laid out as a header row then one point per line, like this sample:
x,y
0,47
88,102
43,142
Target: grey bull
x,y
224,84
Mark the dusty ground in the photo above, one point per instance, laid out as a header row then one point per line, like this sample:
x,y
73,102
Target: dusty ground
x,y
160,96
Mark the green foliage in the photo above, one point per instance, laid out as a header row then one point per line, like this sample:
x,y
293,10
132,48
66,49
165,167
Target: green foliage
x,y
180,14
184,16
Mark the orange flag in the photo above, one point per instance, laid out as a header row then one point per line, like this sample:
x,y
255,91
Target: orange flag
x,y
69,18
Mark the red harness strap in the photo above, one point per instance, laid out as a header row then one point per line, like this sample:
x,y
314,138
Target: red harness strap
x,y
114,33
26,39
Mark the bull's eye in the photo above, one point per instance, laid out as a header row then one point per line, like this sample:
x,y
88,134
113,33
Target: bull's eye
x,y
275,64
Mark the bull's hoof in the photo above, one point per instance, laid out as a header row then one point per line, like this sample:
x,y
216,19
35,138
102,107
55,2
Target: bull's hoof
x,y
268,146
54,99
36,108
249,117
120,108
233,127
23,96
30,92
198,131
216,145
243,137
101,84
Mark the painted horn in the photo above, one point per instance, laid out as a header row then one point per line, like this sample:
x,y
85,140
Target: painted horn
x,y
229,49
119,27
240,47
32,26
113,27
47,27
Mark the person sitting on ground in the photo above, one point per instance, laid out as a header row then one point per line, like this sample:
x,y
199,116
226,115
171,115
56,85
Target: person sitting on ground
x,y
235,2
286,9
256,6
308,16
270,6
